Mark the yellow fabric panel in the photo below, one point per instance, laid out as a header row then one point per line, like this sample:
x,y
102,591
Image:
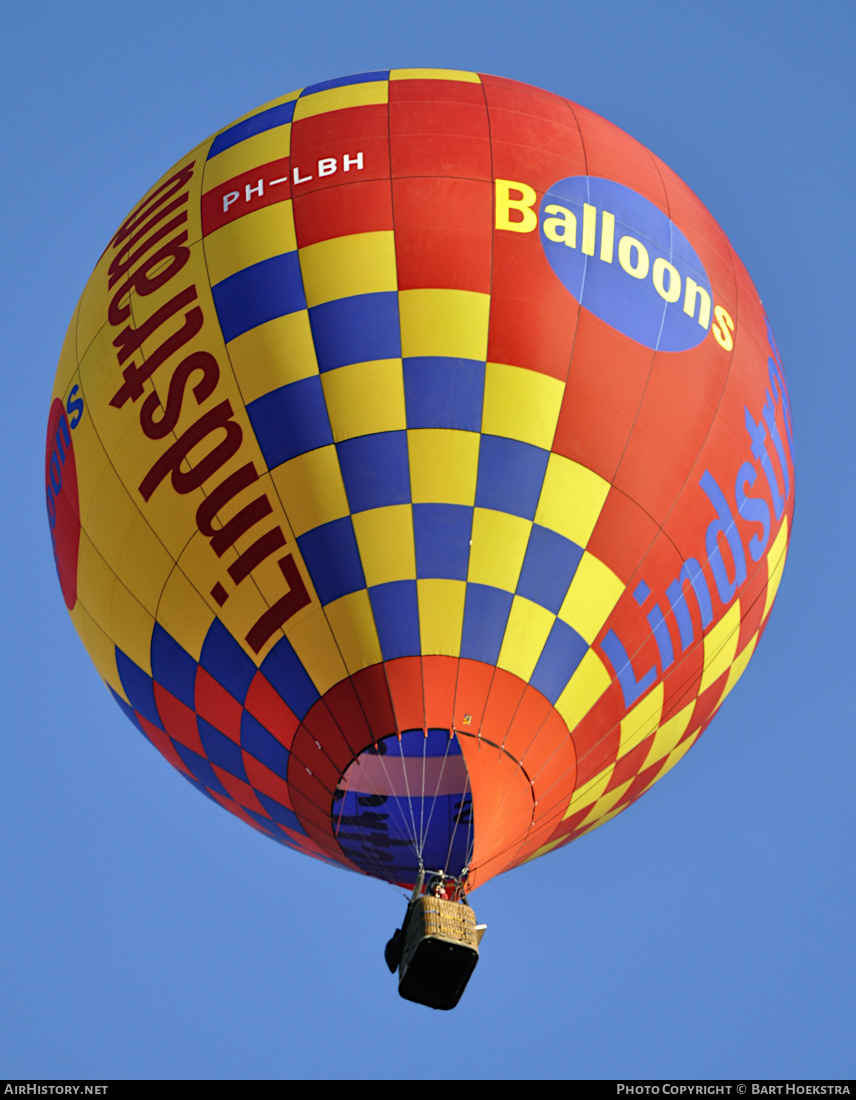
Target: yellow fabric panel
x,y
434,74
92,466
545,848
603,820
287,98
100,377
274,354
444,465
92,313
92,307
365,398
739,666
174,525
266,232
194,210
572,497
252,152
444,322
594,592
361,263
385,541
99,646
204,569
720,646
254,595
589,792
604,805
521,404
311,489
110,511
641,791
525,634
67,366
245,603
669,734
336,99
144,564
679,753
119,431
498,548
184,613
441,615
775,566
96,298
134,456
642,720
131,627
316,649
584,689
351,620
95,582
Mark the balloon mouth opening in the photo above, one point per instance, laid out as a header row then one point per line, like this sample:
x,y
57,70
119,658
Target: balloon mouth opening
x,y
405,802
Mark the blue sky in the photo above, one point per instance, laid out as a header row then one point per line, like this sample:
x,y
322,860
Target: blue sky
x,y
708,931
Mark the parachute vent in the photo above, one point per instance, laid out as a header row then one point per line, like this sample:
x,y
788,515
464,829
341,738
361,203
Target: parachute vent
x,y
406,802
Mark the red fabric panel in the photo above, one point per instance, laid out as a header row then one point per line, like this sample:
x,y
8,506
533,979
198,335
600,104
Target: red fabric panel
x,y
265,704
217,706
178,719
405,685
364,206
443,233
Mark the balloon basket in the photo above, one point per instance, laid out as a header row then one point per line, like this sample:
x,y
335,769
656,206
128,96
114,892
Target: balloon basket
x,y
441,949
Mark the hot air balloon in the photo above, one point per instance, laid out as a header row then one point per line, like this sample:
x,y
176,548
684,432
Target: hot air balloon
x,y
420,471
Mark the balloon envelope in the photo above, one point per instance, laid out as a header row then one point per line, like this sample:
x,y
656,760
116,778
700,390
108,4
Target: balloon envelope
x,y
419,470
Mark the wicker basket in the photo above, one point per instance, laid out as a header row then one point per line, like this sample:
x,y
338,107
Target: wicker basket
x,y
440,952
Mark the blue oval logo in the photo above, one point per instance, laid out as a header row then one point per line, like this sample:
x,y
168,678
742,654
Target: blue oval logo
x,y
626,262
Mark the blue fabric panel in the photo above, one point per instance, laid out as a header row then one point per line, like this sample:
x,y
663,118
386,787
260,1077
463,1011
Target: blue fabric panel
x,y
264,120
345,81
548,568
129,711
197,786
444,393
510,475
290,421
381,833
333,559
442,535
356,330
375,470
396,615
221,750
200,768
283,669
486,612
447,844
280,813
256,740
562,652
138,687
226,661
173,667
265,824
378,838
259,293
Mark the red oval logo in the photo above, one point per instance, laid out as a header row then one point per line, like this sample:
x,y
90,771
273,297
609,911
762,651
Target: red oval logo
x,y
62,498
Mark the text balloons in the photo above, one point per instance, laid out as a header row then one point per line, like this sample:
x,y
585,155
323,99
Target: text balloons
x,y
420,471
